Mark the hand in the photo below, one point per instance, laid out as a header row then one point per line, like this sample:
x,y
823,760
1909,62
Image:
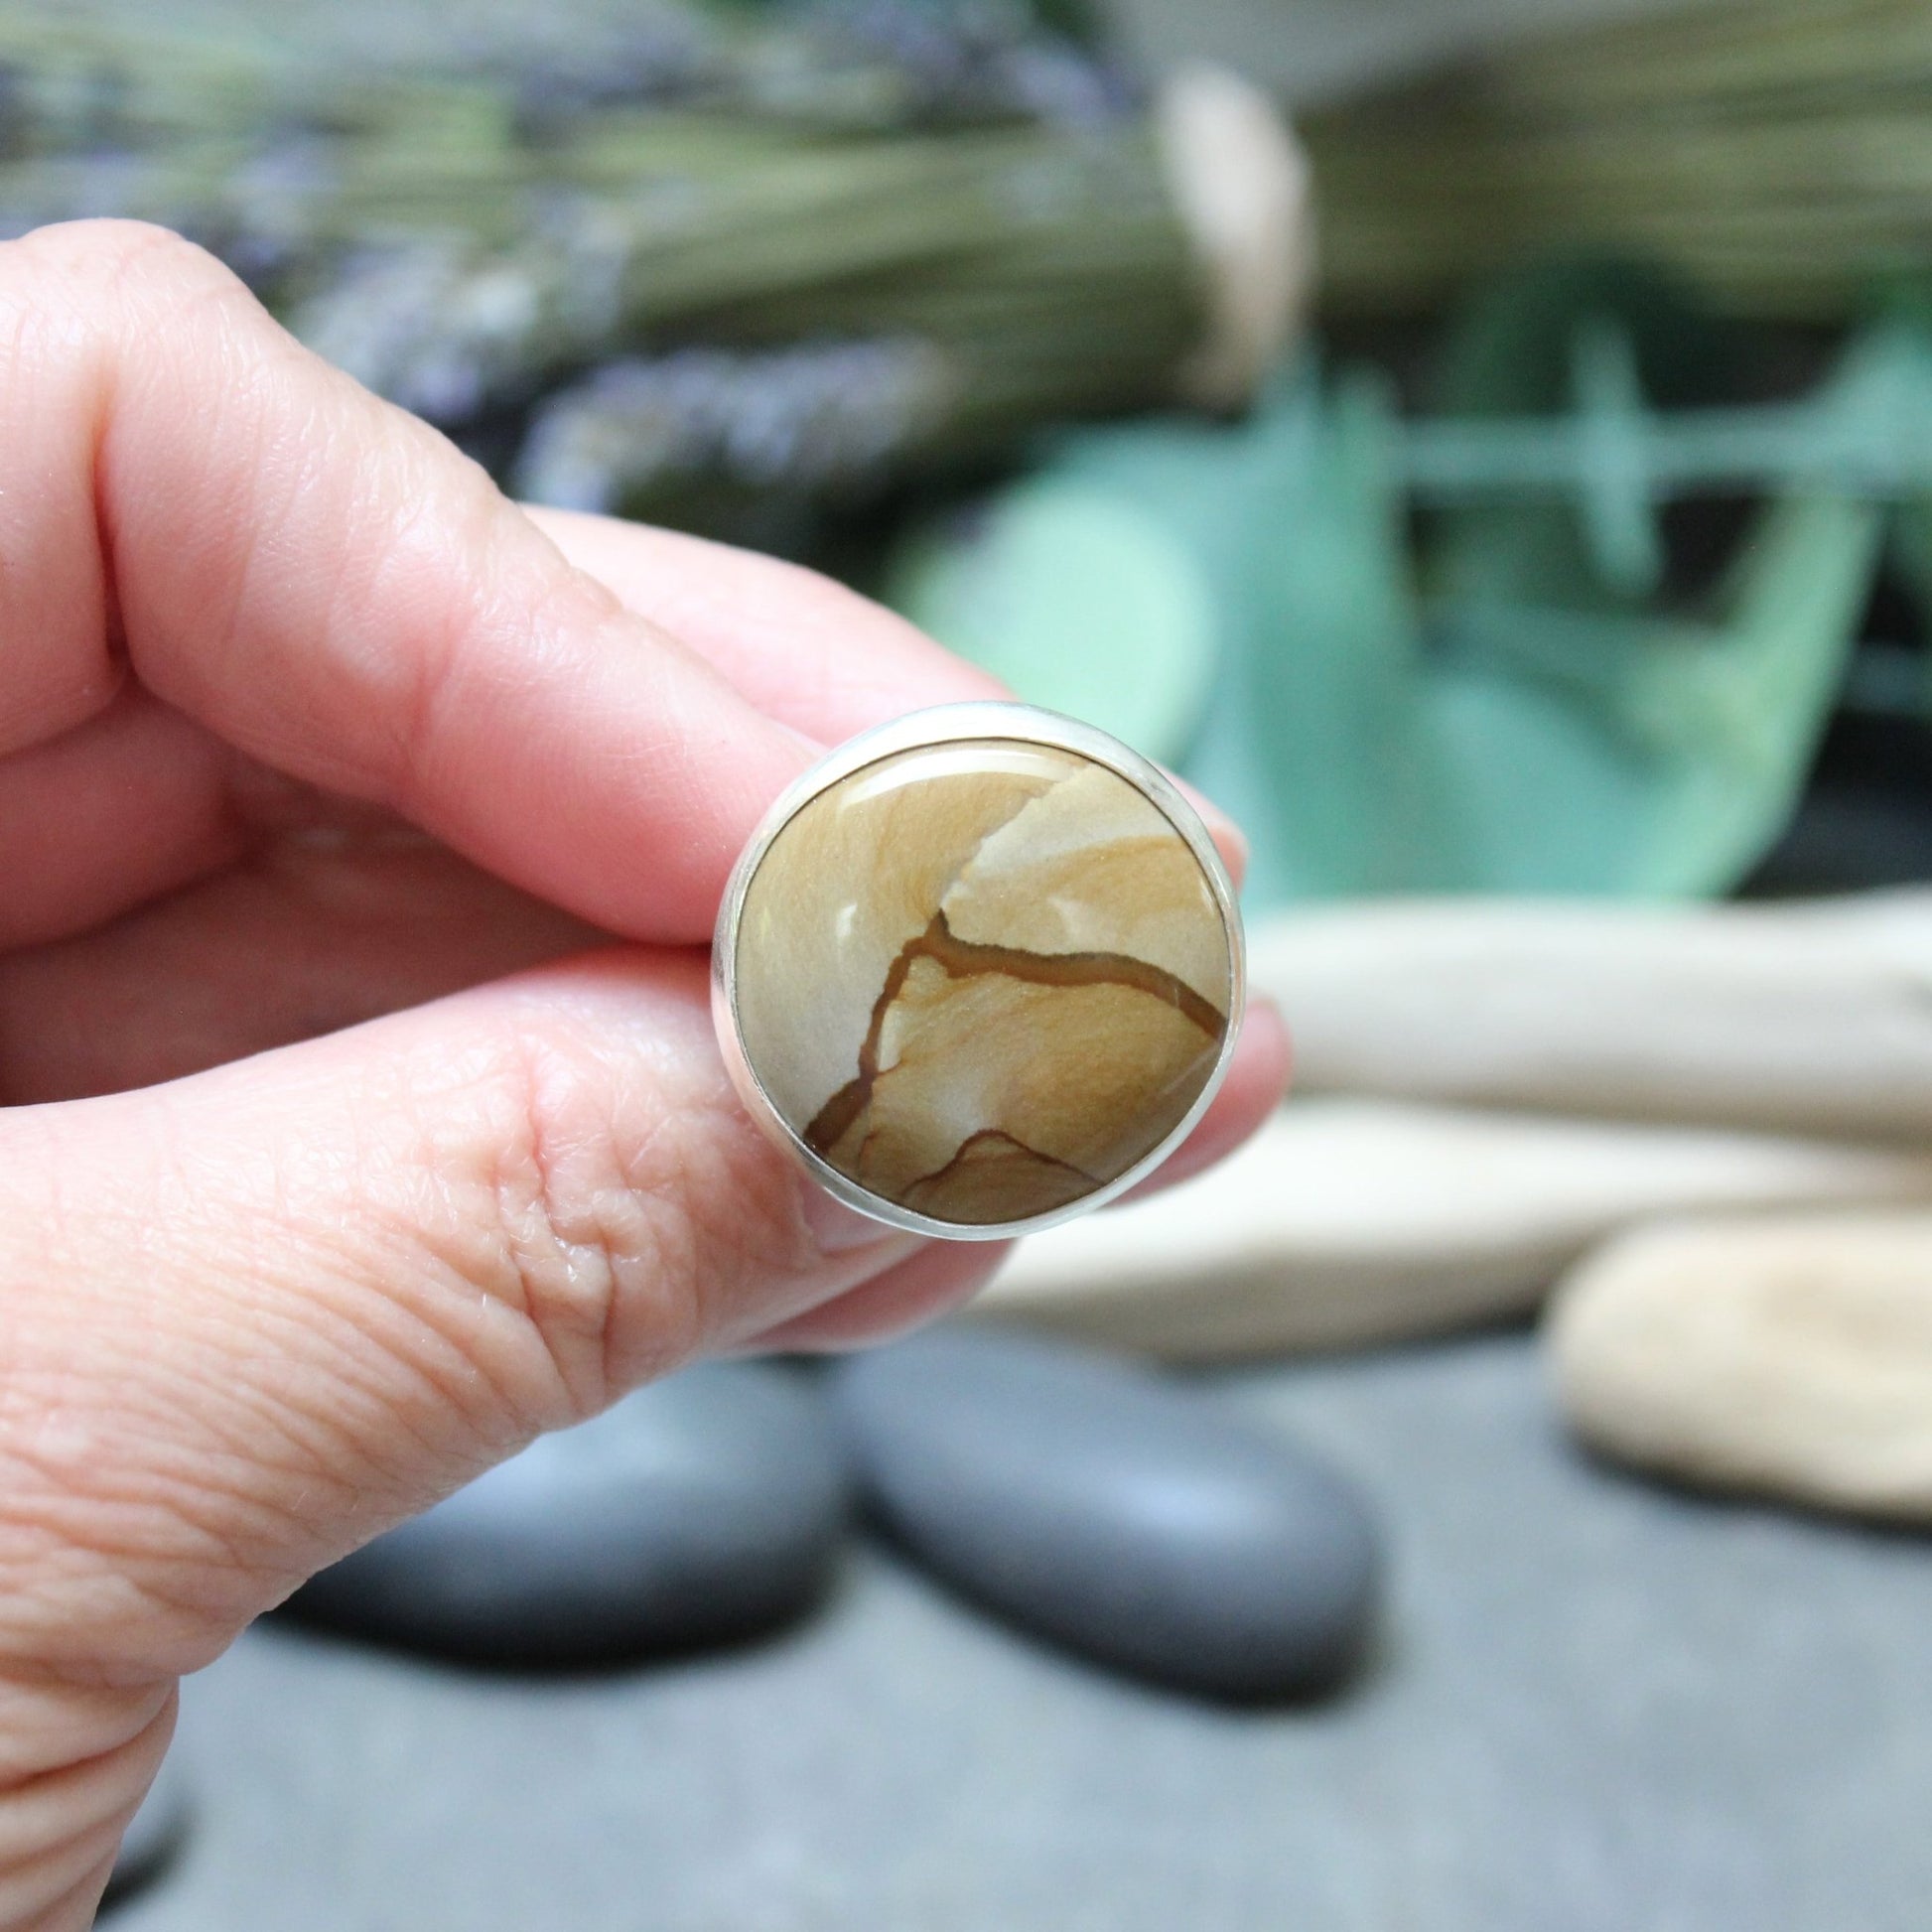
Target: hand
x,y
360,838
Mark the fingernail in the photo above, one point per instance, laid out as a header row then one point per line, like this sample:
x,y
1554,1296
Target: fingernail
x,y
836,1228
1227,835
1232,841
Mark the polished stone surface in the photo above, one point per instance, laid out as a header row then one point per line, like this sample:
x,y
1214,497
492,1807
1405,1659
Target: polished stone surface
x,y
1597,1707
1139,1521
982,979
701,1510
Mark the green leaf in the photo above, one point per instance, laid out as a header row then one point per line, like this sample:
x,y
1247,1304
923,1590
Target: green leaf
x,y
1076,597
1524,727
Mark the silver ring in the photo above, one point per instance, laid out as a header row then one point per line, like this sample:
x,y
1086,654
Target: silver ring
x,y
979,970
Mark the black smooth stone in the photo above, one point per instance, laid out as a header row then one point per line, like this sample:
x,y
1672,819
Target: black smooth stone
x,y
154,1834
1126,1516
704,1509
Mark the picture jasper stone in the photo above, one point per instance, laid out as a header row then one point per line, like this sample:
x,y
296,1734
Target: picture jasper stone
x,y
982,979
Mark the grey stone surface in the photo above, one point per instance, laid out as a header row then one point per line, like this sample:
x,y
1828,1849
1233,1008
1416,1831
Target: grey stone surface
x,y
1598,1708
705,1508
1139,1521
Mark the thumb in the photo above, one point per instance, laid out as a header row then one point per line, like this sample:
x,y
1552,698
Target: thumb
x,y
254,1317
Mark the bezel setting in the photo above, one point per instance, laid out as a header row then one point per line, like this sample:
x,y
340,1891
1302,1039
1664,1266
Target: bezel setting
x,y
918,731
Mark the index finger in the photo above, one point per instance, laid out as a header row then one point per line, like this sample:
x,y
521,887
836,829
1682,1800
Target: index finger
x,y
330,587
804,648
826,660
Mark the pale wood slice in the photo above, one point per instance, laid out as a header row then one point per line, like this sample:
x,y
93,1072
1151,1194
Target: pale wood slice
x,y
1812,1019
1348,1221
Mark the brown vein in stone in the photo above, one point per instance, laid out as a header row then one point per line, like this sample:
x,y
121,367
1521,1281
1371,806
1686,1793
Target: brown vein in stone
x,y
972,1147
962,959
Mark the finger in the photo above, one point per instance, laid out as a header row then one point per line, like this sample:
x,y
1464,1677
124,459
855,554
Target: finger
x,y
334,922
829,662
251,1318
326,584
79,1759
312,935
919,1289
140,800
1257,1078
131,804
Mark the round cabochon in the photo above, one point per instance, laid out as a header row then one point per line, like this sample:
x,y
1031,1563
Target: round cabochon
x,y
984,980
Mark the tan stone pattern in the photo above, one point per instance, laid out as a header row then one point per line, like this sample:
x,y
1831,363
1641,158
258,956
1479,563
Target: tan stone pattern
x,y
982,979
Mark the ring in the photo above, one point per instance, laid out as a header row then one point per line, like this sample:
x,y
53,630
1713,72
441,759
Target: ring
x,y
979,970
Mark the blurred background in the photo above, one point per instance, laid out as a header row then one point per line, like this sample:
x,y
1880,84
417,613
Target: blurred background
x,y
1487,444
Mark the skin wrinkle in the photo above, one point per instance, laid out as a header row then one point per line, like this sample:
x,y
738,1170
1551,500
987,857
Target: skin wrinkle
x,y
122,1524
217,1400
36,1875
61,1917
142,1524
446,1271
194,1544
233,414
625,1211
30,1881
345,1356
545,1213
42,1885
566,1254
150,1646
86,1534
80,690
426,1392
94,1835
382,1389
455,1362
434,689
667,1245
88,1720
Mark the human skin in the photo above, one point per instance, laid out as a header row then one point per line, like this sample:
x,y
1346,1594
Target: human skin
x,y
360,1116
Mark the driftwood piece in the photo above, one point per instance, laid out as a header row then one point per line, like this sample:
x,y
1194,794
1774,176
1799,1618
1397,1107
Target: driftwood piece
x,y
1813,1018
1351,1222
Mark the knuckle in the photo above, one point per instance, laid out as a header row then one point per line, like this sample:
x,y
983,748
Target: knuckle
x,y
120,254
83,275
611,1207
79,300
